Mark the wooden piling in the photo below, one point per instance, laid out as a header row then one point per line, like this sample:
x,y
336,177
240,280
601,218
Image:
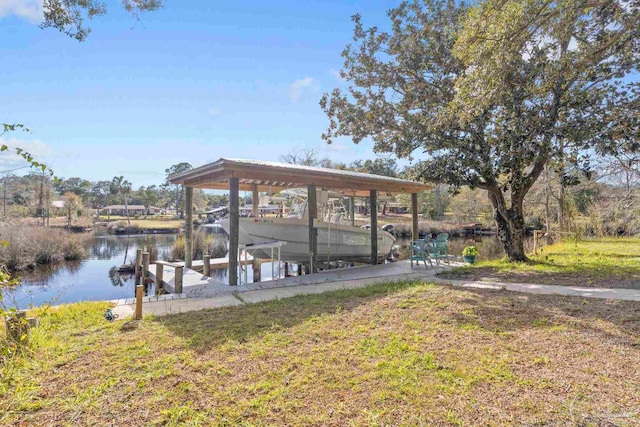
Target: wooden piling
x,y
312,208
234,229
415,232
257,270
17,327
206,268
146,258
138,264
139,295
178,279
373,199
256,200
159,278
188,227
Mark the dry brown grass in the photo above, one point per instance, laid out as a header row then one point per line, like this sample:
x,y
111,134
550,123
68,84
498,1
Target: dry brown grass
x,y
397,354
26,246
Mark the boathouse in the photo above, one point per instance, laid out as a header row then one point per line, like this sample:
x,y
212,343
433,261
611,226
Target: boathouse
x,y
237,175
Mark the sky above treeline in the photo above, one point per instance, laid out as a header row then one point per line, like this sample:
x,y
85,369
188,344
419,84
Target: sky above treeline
x,y
195,81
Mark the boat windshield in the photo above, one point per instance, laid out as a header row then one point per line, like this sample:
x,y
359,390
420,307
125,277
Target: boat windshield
x,y
332,211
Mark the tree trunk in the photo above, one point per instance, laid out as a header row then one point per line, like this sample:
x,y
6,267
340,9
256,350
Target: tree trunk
x,y
511,230
561,209
126,209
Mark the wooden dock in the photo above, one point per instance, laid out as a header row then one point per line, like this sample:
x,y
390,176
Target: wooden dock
x,y
190,281
215,263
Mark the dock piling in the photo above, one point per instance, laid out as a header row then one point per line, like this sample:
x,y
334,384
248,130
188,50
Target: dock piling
x,y
178,280
207,265
159,277
256,270
137,265
139,294
146,258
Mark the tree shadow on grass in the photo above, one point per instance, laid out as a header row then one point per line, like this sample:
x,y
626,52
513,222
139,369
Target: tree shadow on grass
x,y
206,329
503,311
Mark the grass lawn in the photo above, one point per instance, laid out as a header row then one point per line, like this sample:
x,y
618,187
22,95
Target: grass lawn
x,y
607,262
402,354
151,223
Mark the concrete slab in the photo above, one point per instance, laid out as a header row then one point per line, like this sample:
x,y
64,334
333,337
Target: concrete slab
x,y
163,308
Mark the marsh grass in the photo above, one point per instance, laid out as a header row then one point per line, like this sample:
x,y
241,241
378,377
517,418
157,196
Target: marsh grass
x,y
602,262
202,242
404,353
27,246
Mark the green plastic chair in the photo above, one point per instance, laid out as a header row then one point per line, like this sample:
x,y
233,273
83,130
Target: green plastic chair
x,y
419,251
439,248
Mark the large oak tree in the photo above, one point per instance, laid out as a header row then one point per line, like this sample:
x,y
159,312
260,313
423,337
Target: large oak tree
x,y
492,93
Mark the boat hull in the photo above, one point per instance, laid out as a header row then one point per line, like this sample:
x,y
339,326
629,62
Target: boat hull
x,y
335,241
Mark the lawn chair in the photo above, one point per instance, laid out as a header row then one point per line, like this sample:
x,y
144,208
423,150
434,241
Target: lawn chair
x,y
439,248
420,252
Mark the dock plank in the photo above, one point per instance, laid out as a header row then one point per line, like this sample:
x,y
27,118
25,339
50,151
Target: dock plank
x,y
216,263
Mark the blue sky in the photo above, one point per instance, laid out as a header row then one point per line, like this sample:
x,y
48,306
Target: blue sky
x,y
195,81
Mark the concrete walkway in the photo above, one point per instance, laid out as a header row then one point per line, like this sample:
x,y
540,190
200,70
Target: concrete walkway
x,y
348,279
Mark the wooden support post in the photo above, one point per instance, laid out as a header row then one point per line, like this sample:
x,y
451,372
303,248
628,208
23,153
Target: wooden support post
x,y
373,198
352,210
139,294
17,327
234,226
257,270
286,269
146,257
312,206
188,227
256,201
159,278
138,265
415,232
177,284
207,265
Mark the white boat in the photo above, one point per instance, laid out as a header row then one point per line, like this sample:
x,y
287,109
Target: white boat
x,y
337,239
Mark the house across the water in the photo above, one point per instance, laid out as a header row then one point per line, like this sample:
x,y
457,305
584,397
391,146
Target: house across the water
x,y
133,210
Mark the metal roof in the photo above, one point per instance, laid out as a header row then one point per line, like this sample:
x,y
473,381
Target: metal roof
x,y
274,176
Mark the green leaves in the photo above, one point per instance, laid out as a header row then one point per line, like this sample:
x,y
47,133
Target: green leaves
x,y
488,95
28,157
68,16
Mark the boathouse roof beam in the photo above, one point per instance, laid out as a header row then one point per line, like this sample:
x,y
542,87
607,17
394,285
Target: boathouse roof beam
x,y
216,175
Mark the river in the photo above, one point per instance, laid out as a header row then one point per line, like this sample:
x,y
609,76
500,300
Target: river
x,y
95,277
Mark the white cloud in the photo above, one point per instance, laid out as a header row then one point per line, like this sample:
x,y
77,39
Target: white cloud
x,y
297,87
214,112
31,10
10,159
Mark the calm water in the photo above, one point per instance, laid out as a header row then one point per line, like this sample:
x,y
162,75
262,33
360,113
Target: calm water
x,y
96,278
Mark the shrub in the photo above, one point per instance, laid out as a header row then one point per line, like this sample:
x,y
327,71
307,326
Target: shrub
x,y
28,246
470,251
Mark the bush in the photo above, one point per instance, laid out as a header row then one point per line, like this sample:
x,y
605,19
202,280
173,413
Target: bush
x,y
470,251
27,246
